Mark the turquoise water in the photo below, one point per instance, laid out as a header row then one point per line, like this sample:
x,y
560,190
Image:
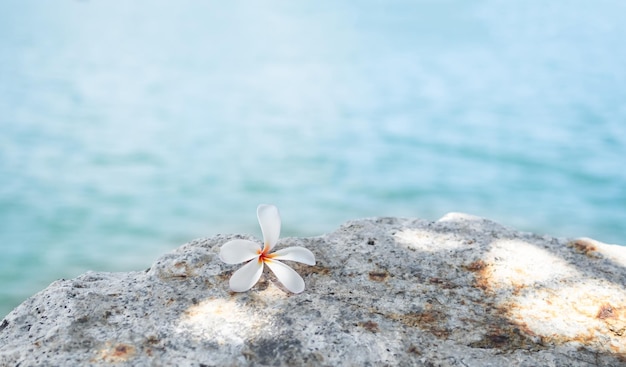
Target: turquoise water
x,y
130,127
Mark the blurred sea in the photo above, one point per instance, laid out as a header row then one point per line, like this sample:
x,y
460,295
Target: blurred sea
x,y
128,128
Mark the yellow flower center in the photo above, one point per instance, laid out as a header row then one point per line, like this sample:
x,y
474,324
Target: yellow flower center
x,y
264,255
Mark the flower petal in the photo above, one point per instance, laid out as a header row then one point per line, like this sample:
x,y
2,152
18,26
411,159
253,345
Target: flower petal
x,y
238,251
269,219
286,275
296,253
247,276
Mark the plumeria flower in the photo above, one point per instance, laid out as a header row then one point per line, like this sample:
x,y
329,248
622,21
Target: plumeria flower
x,y
238,251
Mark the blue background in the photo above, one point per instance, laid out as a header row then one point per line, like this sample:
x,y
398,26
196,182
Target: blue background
x,y
130,127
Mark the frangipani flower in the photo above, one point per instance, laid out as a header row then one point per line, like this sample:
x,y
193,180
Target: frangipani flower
x,y
238,251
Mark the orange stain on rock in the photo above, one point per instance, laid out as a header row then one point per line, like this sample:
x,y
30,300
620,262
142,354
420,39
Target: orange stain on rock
x,y
546,297
584,247
585,311
606,311
379,276
115,353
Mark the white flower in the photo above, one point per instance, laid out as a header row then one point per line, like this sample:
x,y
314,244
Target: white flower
x,y
238,251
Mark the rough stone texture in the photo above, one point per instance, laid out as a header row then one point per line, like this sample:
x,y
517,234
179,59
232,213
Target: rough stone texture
x,y
462,291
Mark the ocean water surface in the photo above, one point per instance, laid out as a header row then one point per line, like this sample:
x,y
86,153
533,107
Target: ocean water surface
x,y
128,128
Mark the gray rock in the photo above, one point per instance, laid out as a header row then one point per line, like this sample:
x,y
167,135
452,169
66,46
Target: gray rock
x,y
462,291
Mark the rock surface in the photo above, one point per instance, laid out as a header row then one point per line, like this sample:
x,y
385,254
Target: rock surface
x,y
461,291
